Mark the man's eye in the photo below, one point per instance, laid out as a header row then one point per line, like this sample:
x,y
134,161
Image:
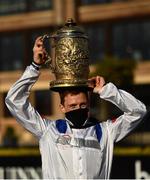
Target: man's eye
x,y
83,106
73,106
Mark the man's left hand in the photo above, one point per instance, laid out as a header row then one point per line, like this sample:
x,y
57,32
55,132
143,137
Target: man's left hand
x,y
96,83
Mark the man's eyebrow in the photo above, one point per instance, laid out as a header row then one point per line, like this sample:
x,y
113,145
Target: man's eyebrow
x,y
73,104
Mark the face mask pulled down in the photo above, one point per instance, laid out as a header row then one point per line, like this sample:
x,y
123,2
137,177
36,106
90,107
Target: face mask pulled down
x,y
77,117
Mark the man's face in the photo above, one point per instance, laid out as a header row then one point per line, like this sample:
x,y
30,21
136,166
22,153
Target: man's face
x,y
74,101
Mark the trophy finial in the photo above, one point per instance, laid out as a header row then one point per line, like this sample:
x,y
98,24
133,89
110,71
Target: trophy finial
x,y
70,22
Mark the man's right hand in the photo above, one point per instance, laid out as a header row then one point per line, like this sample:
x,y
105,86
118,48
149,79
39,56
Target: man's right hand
x,y
39,52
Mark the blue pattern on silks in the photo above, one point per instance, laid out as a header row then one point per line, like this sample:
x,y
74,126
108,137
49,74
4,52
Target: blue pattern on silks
x,y
98,131
61,126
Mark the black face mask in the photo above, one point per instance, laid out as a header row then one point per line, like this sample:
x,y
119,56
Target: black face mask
x,y
77,117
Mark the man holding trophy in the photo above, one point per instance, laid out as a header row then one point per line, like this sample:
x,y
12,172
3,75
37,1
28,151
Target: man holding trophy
x,y
77,146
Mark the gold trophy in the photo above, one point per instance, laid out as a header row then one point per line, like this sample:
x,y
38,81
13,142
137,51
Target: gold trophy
x,y
71,57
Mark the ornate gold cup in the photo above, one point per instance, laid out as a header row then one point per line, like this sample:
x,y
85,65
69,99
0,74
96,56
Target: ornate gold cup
x,y
71,57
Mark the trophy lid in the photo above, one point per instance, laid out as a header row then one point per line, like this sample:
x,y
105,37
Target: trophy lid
x,y
70,29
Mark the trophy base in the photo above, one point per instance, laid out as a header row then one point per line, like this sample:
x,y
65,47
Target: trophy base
x,y
59,86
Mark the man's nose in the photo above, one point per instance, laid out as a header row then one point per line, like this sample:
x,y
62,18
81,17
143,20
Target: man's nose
x,y
78,106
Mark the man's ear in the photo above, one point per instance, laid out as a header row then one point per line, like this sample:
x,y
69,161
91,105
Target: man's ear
x,y
62,108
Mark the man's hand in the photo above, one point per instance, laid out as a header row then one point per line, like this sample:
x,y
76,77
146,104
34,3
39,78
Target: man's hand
x,y
39,52
96,83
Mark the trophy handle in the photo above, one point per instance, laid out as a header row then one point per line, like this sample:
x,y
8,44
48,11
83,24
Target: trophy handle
x,y
49,59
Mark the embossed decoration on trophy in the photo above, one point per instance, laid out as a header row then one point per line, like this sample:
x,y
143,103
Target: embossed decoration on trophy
x,y
71,62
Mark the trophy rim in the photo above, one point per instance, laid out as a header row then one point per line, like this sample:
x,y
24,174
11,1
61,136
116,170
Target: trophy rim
x,y
62,87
